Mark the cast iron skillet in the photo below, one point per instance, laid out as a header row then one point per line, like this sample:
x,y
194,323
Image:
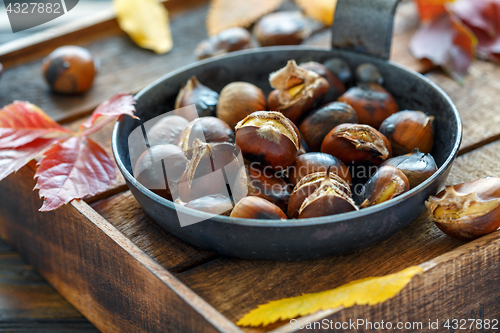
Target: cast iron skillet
x,y
361,26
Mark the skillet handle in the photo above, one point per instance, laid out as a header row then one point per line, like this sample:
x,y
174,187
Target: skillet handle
x,y
364,26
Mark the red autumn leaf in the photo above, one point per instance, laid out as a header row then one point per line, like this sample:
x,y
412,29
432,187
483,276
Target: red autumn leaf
x,y
483,18
117,105
11,160
431,9
22,122
73,169
447,42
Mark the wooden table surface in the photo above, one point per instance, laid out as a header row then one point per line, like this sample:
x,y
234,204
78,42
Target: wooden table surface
x,y
29,304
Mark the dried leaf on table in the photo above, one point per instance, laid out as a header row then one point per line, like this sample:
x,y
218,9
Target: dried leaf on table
x,y
447,42
483,18
321,10
22,122
224,14
431,9
73,169
146,22
118,105
367,291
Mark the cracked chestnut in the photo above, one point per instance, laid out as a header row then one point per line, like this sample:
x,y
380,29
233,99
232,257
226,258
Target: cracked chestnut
x,y
387,183
257,208
417,166
267,185
205,129
204,98
336,88
315,162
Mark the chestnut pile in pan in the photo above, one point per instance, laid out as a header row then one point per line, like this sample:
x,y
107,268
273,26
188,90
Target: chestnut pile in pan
x,y
324,141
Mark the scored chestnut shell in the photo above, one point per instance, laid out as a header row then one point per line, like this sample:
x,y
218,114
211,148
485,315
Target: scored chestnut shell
x,y
296,91
257,208
368,73
315,162
357,143
228,40
372,103
149,169
309,184
417,166
282,28
268,138
213,169
387,183
264,184
204,98
467,210
408,130
167,130
340,68
321,121
237,100
336,88
205,129
213,204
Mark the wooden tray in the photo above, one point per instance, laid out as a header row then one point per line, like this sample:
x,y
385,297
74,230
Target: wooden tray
x,y
125,273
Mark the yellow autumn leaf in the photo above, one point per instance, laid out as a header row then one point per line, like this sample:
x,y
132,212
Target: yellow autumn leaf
x,y
321,10
369,291
146,22
224,14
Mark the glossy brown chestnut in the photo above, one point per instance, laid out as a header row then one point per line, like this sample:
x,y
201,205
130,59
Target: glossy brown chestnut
x,y
167,130
387,183
205,129
212,168
257,208
357,143
69,70
237,100
268,138
372,103
213,204
297,90
336,88
467,210
282,28
321,121
340,68
149,169
315,162
229,40
417,166
368,73
408,130
309,184
204,98
267,185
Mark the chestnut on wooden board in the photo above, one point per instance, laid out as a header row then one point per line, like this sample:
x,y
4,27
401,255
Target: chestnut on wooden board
x,y
282,28
229,40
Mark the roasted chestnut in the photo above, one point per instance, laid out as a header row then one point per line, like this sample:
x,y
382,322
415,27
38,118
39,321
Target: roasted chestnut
x,y
368,73
204,98
416,166
267,185
340,68
320,194
315,162
372,103
237,100
205,129
167,130
357,143
214,204
69,70
387,183
408,130
467,210
282,28
268,138
296,90
156,162
229,40
336,88
321,121
213,169
257,208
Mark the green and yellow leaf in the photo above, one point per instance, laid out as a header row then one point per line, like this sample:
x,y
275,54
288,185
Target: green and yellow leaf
x,y
367,291
321,10
146,22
